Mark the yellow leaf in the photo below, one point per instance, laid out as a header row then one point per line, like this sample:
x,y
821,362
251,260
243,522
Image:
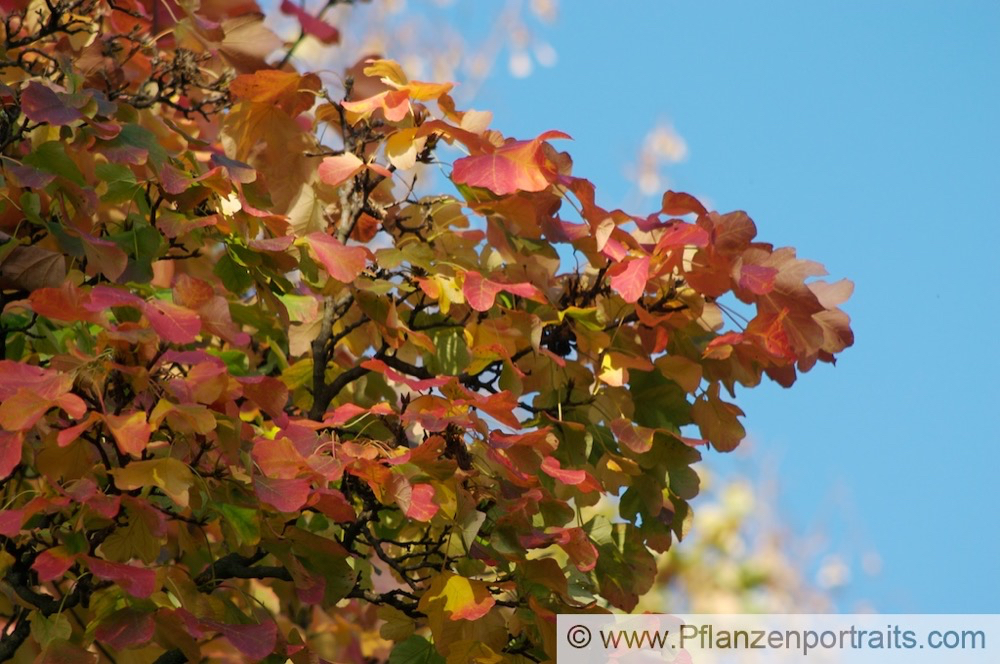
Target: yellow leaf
x,y
454,597
173,477
403,147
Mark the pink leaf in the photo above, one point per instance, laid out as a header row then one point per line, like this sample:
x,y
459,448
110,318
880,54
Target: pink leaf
x,y
630,281
311,25
552,468
342,263
515,166
479,291
682,234
412,383
284,495
136,581
172,322
340,168
422,505
52,564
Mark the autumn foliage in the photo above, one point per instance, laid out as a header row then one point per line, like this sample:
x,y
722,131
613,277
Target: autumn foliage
x,y
266,397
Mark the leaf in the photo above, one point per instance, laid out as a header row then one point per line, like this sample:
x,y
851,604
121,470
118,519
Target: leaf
x,y
718,421
126,628
245,522
52,563
757,279
30,268
286,90
415,650
284,495
136,581
255,641
340,168
172,322
10,451
629,279
679,203
422,505
131,431
456,598
394,105
46,630
311,25
479,291
41,104
552,468
516,166
342,263
170,475
61,651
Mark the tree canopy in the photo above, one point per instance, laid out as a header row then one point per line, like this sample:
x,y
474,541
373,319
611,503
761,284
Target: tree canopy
x,y
266,395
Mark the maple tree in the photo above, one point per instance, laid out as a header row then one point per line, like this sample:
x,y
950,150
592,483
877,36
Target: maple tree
x,y
261,400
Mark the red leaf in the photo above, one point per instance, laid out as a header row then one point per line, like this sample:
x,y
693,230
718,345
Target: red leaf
x,y
678,203
334,505
284,495
10,451
412,383
340,168
11,521
67,303
515,166
342,263
310,24
41,104
136,581
682,234
126,628
172,322
580,549
269,393
255,641
52,564
757,279
552,468
422,506
630,281
131,431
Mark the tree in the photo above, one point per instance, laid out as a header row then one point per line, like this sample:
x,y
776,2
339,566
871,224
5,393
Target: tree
x,y
262,401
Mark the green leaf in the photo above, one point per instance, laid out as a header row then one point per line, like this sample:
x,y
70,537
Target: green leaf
x,y
244,522
415,650
235,278
452,355
660,402
51,157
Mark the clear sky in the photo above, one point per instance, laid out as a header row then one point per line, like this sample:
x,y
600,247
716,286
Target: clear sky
x,y
864,133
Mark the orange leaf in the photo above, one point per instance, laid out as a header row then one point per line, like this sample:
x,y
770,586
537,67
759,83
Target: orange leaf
x,y
342,263
515,166
131,432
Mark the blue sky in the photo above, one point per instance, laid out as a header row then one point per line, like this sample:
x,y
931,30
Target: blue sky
x,y
865,134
